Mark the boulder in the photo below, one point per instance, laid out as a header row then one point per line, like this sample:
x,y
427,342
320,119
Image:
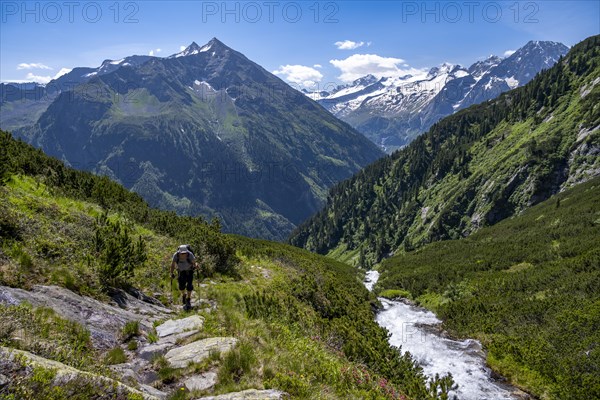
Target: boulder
x,y
250,394
173,326
154,350
201,382
198,351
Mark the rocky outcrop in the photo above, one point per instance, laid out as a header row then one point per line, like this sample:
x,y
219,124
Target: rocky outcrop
x,y
196,352
137,302
170,333
175,326
104,321
250,394
12,360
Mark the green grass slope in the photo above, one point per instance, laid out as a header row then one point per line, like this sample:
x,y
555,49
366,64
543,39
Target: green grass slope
x,y
304,322
528,288
471,170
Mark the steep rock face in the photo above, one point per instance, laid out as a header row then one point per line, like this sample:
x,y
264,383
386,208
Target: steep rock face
x,y
393,111
205,132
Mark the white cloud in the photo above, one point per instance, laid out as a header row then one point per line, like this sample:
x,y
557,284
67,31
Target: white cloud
x,y
182,48
31,77
32,66
300,75
37,78
350,45
359,65
155,51
509,53
317,66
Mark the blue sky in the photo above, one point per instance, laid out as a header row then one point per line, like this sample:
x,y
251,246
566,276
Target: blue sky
x,y
308,43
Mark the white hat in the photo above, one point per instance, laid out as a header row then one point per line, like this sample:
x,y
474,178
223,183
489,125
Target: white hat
x,y
183,249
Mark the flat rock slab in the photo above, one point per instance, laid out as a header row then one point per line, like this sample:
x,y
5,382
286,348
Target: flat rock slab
x,y
198,351
174,326
250,394
104,321
172,339
201,382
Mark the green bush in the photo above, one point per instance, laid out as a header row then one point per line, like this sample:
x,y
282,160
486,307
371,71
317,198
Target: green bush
x,y
236,363
9,224
152,337
395,293
290,382
115,356
180,394
165,372
119,255
132,345
130,330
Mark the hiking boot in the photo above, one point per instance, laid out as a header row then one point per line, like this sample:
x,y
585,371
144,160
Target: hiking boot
x,y
183,299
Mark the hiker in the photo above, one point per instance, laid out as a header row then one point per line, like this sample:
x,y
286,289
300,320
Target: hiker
x,y
185,262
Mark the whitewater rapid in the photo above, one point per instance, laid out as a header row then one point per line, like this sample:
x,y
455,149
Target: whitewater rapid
x,y
417,331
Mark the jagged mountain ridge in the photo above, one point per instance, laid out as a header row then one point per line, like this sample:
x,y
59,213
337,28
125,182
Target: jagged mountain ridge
x,y
393,111
471,169
207,133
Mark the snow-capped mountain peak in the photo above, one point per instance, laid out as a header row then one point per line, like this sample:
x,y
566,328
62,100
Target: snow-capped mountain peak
x,y
480,68
214,44
393,110
189,51
444,68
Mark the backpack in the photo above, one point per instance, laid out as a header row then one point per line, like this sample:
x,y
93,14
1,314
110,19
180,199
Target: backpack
x,y
190,251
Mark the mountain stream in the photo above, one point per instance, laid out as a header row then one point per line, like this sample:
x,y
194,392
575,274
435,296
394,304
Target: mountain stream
x,y
417,331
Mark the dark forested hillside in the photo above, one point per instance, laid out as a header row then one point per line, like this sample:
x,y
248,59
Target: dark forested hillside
x,y
470,170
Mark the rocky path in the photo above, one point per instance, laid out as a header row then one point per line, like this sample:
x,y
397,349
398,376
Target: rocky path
x,y
172,339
